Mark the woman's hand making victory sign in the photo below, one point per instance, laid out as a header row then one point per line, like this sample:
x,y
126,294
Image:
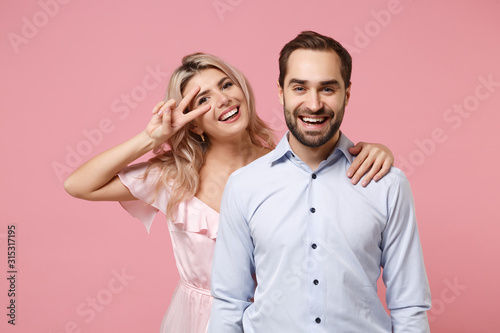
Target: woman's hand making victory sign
x,y
168,118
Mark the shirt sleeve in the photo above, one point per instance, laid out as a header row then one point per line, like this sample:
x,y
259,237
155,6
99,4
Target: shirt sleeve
x,y
232,283
408,295
144,189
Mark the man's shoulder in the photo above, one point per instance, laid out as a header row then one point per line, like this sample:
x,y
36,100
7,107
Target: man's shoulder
x,y
394,176
390,184
394,184
256,167
248,182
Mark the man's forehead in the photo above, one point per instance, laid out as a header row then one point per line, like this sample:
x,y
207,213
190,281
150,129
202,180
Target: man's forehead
x,y
312,65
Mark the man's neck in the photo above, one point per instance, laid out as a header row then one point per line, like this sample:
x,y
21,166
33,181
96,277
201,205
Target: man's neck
x,y
313,156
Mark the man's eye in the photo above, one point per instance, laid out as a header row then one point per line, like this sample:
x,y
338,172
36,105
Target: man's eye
x,y
328,89
298,89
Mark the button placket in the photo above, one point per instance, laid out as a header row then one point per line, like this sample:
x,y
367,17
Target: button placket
x,y
316,303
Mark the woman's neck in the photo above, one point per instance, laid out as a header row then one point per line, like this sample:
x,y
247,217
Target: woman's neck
x,y
233,153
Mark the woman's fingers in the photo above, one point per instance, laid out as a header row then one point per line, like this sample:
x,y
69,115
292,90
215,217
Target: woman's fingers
x,y
188,98
357,148
182,118
168,104
363,165
196,113
167,118
362,154
374,169
386,166
372,162
158,107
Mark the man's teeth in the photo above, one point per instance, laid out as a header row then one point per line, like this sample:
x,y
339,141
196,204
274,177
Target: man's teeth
x,y
229,114
313,120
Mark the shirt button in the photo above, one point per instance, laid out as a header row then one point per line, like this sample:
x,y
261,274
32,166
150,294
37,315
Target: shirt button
x,y
318,320
316,282
314,246
313,176
313,210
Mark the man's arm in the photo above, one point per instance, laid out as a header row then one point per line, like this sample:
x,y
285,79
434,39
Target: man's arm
x,y
408,294
232,284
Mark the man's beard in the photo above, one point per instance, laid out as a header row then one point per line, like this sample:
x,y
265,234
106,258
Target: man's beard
x,y
313,139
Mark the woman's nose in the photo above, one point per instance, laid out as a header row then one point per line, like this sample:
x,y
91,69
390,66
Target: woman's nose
x,y
222,99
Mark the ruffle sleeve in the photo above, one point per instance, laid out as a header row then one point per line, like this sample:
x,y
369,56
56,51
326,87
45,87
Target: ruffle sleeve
x,y
145,208
192,215
196,216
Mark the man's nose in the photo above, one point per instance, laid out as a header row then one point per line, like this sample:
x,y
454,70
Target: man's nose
x,y
314,102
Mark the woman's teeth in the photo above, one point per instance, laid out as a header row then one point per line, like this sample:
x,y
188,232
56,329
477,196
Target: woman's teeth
x,y
229,114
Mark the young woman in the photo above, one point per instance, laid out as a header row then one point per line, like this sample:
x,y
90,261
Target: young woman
x,y
206,130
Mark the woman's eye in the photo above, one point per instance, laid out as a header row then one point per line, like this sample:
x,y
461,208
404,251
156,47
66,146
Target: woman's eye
x,y
227,84
202,100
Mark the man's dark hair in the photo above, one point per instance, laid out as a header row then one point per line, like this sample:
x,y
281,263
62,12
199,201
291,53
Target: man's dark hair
x,y
310,40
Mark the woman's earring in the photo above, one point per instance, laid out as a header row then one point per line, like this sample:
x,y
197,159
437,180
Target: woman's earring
x,y
202,137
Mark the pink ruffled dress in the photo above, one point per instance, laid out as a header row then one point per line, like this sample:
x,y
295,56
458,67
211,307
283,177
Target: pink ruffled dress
x,y
193,236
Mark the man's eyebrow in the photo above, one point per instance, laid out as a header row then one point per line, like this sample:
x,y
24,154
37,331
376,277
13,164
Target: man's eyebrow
x,y
330,83
322,83
297,81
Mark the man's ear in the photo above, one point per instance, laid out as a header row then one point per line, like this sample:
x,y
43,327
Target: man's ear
x,y
348,93
280,93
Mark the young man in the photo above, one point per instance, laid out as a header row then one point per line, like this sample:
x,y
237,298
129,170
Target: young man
x,y
299,239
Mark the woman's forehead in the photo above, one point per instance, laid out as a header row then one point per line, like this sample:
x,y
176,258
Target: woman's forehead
x,y
208,76
205,79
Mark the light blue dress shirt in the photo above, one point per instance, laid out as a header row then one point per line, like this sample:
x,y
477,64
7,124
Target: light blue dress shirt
x,y
315,245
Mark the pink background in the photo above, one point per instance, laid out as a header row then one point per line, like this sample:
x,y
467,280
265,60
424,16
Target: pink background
x,y
65,67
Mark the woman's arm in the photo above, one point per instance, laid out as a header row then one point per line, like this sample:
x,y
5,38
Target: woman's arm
x,y
373,160
96,179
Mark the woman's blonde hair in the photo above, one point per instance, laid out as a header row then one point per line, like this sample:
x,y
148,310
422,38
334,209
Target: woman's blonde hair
x,y
181,157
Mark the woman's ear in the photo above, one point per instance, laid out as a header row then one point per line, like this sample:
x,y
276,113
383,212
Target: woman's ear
x,y
195,128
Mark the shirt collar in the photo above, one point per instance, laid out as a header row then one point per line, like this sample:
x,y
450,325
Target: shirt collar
x,y
283,149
